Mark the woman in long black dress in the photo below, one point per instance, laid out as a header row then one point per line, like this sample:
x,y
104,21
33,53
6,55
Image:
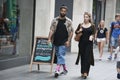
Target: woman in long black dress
x,y
86,44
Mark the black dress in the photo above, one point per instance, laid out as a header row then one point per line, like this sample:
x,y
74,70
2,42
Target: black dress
x,y
86,49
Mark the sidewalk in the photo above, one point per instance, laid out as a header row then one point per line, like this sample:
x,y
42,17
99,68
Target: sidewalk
x,y
103,70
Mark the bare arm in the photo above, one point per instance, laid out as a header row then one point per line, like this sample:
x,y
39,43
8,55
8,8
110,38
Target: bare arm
x,y
50,35
52,29
109,33
78,29
93,32
96,34
70,36
107,37
67,43
71,32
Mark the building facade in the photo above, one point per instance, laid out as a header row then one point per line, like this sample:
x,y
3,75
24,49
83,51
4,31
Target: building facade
x,y
16,32
27,19
106,10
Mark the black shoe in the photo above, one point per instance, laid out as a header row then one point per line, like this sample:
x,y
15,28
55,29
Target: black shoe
x,y
64,72
118,76
84,77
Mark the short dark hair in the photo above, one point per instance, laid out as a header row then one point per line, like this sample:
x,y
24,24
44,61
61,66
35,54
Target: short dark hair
x,y
117,15
64,7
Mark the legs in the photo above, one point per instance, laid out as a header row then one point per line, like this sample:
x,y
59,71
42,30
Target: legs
x,y
114,44
85,64
101,42
111,50
59,65
116,52
60,53
101,48
85,67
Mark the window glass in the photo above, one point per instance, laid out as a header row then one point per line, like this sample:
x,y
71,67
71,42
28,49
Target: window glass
x,y
9,28
118,6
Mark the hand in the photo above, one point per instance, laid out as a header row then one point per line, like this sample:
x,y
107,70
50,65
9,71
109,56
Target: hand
x,y
49,41
67,43
91,38
80,29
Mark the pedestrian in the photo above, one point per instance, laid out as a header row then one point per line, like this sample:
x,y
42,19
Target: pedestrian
x,y
60,35
118,59
118,69
101,37
114,35
85,44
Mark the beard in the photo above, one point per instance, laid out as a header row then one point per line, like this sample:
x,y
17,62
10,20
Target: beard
x,y
62,15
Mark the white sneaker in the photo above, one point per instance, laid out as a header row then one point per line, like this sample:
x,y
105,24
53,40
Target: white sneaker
x,y
100,59
110,58
56,74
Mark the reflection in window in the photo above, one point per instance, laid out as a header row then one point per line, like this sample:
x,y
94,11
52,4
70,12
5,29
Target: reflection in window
x,y
9,25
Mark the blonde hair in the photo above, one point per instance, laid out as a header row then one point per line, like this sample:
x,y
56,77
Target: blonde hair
x,y
87,13
99,25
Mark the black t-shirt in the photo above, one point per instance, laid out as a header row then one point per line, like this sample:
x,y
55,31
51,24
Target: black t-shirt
x,y
61,33
101,32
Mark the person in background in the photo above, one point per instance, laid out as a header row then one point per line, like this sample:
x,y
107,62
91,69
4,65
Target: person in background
x,y
5,24
4,28
1,26
60,35
117,53
118,58
101,37
86,44
114,35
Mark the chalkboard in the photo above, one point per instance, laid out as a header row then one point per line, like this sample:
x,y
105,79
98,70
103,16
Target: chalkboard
x,y
43,52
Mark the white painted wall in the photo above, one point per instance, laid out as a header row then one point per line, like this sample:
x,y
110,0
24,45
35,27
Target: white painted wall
x,y
79,7
44,15
110,12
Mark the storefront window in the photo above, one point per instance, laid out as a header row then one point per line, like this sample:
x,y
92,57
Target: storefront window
x,y
9,28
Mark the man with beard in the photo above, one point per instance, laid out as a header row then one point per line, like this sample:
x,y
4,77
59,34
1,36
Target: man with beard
x,y
60,35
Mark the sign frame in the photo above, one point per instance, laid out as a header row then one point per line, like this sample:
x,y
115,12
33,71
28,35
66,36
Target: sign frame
x,y
41,63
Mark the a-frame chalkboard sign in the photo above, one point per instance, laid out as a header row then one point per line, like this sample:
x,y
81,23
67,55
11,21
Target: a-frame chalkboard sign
x,y
43,53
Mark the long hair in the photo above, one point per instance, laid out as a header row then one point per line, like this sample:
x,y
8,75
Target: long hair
x,y
87,13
